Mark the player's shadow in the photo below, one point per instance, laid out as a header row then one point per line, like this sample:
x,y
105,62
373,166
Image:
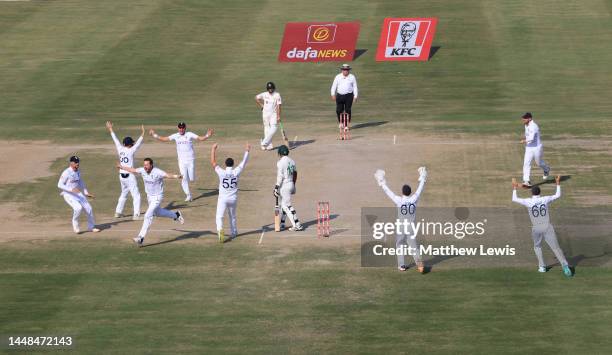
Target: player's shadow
x,y
187,235
172,205
369,124
430,263
108,225
551,180
296,144
207,193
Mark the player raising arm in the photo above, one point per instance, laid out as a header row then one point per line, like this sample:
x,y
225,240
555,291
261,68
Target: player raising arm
x,y
537,206
185,153
406,211
127,181
153,179
228,190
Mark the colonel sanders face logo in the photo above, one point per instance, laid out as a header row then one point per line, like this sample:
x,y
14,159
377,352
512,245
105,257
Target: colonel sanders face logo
x,y
407,32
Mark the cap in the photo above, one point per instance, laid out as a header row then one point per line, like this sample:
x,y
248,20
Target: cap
x,y
527,115
345,67
182,125
74,159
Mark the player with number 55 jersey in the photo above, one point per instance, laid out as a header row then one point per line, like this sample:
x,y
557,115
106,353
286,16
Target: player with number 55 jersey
x,y
228,190
406,211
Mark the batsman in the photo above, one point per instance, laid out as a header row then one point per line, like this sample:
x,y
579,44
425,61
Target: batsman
x,y
286,177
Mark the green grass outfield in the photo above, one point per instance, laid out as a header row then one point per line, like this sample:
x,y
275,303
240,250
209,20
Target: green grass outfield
x,y
185,297
68,66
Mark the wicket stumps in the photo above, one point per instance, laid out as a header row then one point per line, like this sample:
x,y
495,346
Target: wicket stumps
x,y
323,229
345,132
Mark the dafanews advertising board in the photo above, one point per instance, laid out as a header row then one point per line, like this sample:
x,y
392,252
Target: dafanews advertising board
x,y
319,41
406,39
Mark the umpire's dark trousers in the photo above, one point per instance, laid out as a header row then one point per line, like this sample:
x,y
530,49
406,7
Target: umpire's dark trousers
x,y
344,104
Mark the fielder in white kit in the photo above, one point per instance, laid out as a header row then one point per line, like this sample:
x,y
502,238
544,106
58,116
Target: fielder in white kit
x,y
228,190
406,211
185,153
533,149
128,181
537,206
75,194
286,178
270,103
153,179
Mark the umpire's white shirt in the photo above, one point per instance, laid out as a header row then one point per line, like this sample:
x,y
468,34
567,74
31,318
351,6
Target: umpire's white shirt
x,y
344,85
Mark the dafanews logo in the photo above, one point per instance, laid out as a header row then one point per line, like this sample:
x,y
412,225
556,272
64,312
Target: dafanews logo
x,y
318,41
406,39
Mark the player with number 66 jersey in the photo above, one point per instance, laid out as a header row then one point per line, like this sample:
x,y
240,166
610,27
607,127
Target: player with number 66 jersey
x,y
406,211
228,190
537,206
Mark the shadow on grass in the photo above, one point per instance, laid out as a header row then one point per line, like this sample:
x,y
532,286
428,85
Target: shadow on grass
x,y
550,180
296,144
108,225
369,124
187,235
433,51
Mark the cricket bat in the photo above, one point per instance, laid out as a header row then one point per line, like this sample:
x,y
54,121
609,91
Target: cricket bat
x,y
284,135
277,217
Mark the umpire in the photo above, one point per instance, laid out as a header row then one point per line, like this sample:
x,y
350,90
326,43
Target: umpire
x,y
344,91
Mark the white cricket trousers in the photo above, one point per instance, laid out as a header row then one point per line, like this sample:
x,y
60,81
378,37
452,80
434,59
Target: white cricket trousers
x,y
79,203
286,190
129,185
152,211
548,234
533,153
187,169
224,204
402,240
270,127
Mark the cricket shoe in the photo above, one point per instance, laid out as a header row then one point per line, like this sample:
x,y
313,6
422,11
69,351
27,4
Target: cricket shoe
x,y
188,198
402,268
137,218
297,228
221,236
527,184
567,271
542,269
545,176
95,230
138,241
179,217
270,146
76,230
119,215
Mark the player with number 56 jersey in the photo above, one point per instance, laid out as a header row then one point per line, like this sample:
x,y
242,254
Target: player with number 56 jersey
x,y
228,190
406,211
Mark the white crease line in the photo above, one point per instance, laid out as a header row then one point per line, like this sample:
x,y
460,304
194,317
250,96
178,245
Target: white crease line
x,y
263,230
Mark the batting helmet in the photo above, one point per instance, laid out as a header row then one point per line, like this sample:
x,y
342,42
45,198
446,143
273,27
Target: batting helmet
x,y
128,141
283,150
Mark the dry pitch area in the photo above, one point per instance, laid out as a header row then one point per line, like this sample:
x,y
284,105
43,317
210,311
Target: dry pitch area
x,y
463,172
